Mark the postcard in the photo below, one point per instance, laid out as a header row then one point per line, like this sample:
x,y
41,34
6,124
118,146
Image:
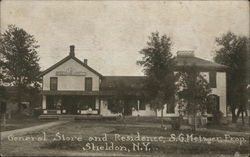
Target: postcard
x,y
125,78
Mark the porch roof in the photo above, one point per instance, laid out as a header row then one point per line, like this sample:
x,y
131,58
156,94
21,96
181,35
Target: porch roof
x,y
114,82
90,93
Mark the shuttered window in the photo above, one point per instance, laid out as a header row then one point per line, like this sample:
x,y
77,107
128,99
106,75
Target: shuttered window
x,y
212,79
88,84
53,83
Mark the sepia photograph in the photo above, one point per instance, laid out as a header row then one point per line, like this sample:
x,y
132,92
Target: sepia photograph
x,y
125,78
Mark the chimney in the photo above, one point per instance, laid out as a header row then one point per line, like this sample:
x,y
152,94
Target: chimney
x,y
85,61
72,50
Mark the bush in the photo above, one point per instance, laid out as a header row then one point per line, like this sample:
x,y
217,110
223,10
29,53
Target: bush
x,y
37,111
176,123
217,116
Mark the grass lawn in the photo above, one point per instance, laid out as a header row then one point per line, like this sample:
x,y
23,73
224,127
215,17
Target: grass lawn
x,y
230,127
18,123
63,140
188,147
226,126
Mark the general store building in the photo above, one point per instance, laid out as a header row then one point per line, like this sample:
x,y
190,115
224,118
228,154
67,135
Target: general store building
x,y
72,87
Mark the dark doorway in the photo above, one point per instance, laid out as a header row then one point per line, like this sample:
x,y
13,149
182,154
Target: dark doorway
x,y
70,104
127,110
86,102
73,103
129,104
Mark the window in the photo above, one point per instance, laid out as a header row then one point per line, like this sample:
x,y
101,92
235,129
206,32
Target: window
x,y
88,84
212,79
53,83
142,105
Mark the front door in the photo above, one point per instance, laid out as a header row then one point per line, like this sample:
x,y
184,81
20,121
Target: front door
x,y
129,104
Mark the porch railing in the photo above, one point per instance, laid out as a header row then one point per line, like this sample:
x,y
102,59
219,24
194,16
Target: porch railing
x,y
58,111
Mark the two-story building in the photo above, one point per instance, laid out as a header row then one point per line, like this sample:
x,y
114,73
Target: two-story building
x,y
72,87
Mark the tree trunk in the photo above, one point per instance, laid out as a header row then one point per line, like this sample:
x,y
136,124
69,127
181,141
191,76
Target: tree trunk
x,y
162,118
124,121
234,118
4,120
238,114
242,117
194,116
19,97
123,118
194,125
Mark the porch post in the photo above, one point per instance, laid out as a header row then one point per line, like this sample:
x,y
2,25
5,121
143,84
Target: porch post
x,y
97,104
138,105
44,102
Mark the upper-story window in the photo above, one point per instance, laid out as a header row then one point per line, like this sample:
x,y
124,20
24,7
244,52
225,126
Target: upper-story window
x,y
53,83
88,84
212,79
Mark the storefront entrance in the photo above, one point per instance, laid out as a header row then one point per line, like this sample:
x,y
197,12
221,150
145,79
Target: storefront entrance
x,y
69,103
73,104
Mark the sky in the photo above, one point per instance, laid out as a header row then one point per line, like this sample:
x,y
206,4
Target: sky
x,y
110,34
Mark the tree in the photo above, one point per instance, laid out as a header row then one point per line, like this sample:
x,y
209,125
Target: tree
x,y
120,100
194,90
232,51
19,59
158,66
3,93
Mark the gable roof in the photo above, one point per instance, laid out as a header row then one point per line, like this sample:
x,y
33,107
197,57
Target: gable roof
x,y
65,60
200,63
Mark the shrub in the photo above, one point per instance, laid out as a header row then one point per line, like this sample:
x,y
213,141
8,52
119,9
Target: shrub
x,y
176,123
217,116
37,112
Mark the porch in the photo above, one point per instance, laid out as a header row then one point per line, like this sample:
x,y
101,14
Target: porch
x,y
77,117
71,105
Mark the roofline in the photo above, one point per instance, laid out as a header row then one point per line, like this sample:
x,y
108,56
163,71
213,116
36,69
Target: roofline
x,y
216,66
54,66
86,66
63,61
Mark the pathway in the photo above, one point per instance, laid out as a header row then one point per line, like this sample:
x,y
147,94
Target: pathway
x,y
33,128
